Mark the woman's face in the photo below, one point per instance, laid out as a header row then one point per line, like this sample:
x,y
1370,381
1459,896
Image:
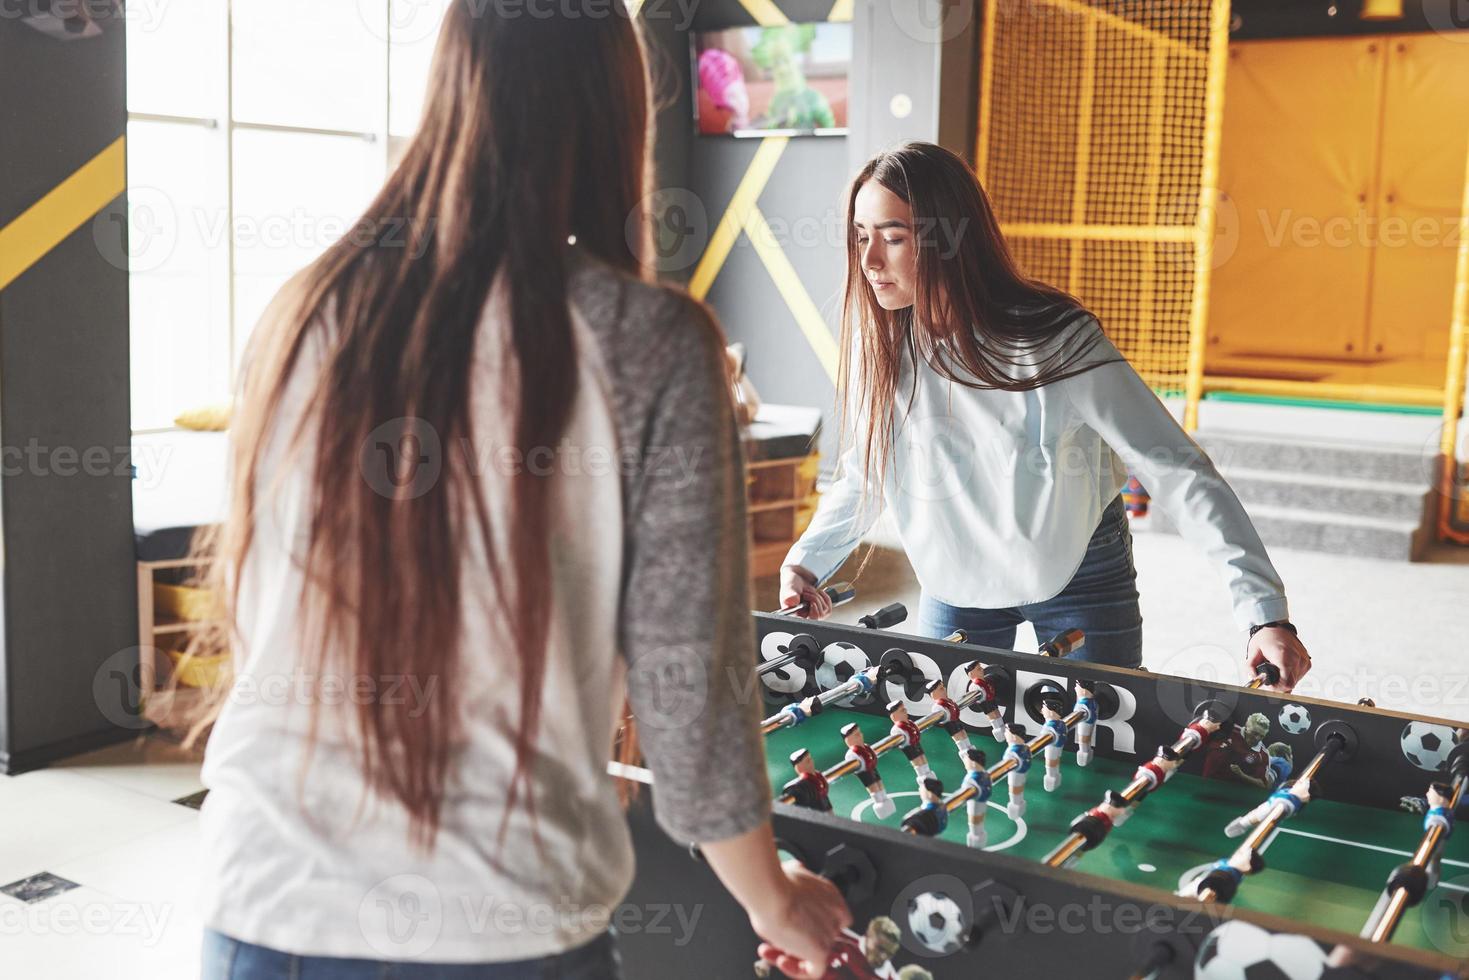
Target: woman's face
x,y
886,251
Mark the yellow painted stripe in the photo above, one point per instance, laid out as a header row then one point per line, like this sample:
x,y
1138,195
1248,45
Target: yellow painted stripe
x,y
757,174
70,204
766,13
634,7
808,317
840,11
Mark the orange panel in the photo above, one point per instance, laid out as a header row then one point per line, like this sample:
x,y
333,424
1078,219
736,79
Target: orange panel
x,y
1425,138
1297,166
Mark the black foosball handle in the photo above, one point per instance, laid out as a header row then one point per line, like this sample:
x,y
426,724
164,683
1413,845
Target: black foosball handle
x,y
839,593
803,650
1266,674
889,615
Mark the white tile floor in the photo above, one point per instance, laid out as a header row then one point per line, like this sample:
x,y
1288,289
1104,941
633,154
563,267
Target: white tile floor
x,y
106,820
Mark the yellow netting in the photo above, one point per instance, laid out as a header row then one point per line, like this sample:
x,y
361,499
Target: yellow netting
x,y
1092,147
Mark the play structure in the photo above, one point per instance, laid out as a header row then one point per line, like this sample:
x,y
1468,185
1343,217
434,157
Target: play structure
x,y
1263,212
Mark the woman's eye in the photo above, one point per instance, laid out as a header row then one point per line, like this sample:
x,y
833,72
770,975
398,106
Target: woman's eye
x,y
861,240
893,241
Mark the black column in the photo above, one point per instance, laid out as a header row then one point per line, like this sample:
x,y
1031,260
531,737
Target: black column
x,y
68,608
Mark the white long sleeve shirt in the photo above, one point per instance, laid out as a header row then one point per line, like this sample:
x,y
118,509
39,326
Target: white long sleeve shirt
x,y
995,494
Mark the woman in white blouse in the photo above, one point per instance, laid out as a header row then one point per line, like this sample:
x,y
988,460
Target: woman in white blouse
x,y
996,422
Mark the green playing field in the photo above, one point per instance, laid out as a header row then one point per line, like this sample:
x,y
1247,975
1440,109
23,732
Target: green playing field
x,y
1326,865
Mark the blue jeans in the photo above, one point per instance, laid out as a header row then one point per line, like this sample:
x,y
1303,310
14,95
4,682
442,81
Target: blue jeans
x,y
1100,600
230,959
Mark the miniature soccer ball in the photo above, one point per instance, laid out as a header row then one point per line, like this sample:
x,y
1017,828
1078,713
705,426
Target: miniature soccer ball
x,y
1238,950
1295,719
840,662
1427,746
936,921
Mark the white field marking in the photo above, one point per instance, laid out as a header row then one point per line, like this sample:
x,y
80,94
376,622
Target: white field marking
x,y
1011,841
1368,847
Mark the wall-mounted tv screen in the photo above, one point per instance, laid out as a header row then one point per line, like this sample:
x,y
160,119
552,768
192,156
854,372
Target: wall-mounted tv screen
x,y
762,81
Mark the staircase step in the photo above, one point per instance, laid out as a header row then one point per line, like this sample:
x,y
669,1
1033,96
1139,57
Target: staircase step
x,y
1311,530
1280,454
1329,494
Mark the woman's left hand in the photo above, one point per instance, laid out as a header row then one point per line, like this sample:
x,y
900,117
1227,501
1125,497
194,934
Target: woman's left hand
x,y
1283,649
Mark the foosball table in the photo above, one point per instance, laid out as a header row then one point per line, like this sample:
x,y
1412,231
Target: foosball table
x,y
994,813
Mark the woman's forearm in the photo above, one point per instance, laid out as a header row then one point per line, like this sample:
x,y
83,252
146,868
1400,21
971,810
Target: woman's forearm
x,y
749,866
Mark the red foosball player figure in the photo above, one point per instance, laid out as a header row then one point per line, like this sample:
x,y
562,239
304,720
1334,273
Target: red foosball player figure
x,y
1051,709
1097,822
912,739
988,704
1160,768
868,957
861,753
809,788
1020,751
951,723
853,957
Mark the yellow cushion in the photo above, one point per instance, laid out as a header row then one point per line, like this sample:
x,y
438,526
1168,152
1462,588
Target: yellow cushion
x,y
208,418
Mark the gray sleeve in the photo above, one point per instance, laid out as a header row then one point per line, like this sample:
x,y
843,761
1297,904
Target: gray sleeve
x,y
685,621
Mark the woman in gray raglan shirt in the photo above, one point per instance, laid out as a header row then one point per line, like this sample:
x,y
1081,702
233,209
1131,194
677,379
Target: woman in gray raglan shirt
x,y
484,484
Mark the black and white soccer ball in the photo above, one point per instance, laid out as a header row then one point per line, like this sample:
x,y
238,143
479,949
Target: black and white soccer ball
x,y
1238,950
936,922
1427,746
1295,719
840,662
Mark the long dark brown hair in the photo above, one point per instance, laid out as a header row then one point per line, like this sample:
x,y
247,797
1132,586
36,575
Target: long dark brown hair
x,y
976,318
535,130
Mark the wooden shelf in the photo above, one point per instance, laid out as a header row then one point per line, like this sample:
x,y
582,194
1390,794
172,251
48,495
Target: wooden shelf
x,y
182,626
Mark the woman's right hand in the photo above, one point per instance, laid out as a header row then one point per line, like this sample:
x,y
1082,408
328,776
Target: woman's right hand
x,y
797,585
800,923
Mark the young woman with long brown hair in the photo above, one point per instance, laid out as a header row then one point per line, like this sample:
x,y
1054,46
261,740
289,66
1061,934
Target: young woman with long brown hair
x,y
455,540
997,423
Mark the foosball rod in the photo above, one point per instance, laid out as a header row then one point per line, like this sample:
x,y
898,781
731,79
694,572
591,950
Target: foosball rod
x,y
1002,768
889,742
1334,744
890,615
1188,740
840,593
1406,885
1254,842
861,683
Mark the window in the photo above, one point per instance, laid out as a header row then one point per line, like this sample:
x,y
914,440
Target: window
x,y
257,132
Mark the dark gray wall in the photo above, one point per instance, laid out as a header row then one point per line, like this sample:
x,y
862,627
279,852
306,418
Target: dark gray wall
x,y
68,593
922,50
